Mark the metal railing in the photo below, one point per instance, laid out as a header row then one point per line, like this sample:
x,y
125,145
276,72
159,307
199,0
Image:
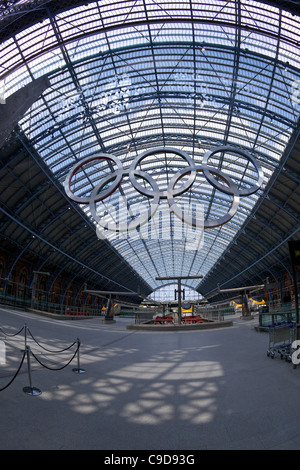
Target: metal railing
x,y
144,316
20,296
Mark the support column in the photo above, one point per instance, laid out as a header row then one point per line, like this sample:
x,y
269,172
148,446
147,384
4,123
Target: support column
x,y
34,284
109,314
294,248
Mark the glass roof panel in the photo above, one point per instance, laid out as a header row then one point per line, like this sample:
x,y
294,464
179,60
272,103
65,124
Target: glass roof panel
x,y
127,77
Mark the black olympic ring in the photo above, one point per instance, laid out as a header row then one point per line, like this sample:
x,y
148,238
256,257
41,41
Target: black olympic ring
x,y
141,219
99,194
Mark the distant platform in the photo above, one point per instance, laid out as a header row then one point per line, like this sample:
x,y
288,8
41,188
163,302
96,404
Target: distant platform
x,y
182,327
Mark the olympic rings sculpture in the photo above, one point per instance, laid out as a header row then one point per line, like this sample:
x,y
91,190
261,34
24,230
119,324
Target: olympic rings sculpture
x,y
99,193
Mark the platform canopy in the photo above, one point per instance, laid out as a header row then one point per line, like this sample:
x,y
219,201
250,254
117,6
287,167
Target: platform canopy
x,y
183,77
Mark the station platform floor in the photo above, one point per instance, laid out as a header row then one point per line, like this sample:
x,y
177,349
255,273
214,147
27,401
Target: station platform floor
x,y
145,390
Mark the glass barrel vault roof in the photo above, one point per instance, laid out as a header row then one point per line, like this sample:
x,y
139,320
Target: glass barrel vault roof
x,y
130,76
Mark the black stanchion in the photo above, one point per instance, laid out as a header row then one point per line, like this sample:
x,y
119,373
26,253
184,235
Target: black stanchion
x,y
25,335
78,369
30,390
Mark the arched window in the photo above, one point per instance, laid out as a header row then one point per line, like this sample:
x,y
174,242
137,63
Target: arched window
x,y
23,280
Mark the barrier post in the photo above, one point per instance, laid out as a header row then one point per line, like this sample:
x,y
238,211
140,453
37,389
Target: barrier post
x,y
30,390
25,335
77,369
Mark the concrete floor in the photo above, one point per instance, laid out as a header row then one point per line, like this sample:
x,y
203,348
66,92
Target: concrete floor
x,y
212,389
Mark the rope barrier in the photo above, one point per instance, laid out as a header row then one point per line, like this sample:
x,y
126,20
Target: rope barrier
x,y
30,390
51,368
11,335
48,350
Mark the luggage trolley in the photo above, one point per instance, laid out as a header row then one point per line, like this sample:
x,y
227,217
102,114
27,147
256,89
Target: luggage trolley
x,y
281,337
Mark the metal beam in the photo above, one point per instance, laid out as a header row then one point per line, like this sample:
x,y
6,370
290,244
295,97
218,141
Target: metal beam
x,y
17,104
